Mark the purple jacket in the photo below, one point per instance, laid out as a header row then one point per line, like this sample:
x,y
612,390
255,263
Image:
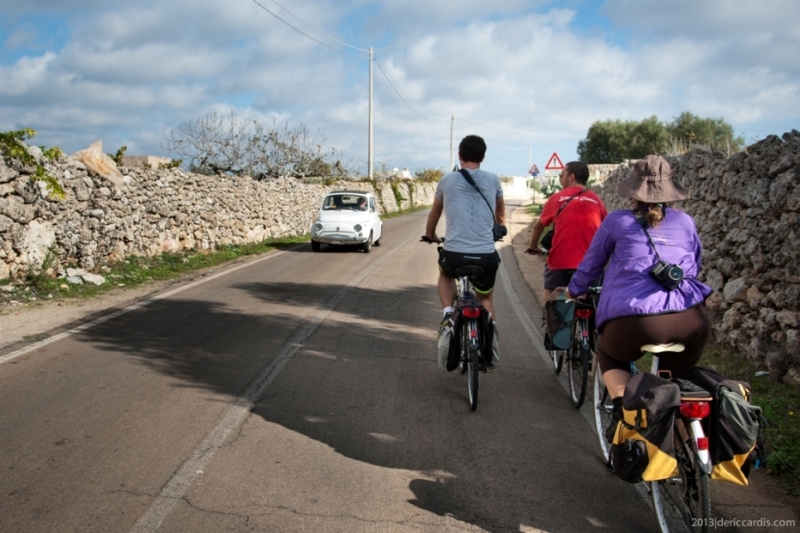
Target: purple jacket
x,y
628,288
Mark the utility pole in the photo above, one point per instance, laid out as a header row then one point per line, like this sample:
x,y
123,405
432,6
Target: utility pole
x,y
369,155
452,127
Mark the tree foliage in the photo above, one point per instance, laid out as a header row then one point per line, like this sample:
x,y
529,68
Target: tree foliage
x,y
613,141
430,174
12,145
218,143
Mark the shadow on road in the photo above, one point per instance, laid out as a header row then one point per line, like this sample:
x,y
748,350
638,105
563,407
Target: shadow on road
x,y
367,385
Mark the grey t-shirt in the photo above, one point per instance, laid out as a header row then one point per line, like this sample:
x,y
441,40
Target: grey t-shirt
x,y
469,220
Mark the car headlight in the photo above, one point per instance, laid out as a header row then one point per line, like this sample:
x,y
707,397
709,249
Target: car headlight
x,y
357,227
318,226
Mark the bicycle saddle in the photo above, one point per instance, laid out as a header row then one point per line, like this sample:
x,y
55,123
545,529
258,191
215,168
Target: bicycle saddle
x,y
469,270
660,348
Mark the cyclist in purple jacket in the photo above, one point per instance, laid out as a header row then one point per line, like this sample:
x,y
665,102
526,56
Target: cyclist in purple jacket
x,y
651,294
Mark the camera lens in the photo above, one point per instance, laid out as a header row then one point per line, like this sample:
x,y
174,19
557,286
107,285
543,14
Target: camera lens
x,y
675,273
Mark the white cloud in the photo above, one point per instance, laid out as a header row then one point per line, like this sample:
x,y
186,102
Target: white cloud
x,y
131,73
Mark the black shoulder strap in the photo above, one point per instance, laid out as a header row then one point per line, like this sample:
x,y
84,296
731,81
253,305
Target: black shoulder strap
x,y
471,181
568,201
641,220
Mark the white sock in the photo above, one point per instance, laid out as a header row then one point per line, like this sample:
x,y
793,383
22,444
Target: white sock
x,y
446,310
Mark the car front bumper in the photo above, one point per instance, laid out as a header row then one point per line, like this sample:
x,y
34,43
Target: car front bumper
x,y
332,237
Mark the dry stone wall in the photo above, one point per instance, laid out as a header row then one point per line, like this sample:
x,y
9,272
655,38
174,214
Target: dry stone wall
x,y
157,211
747,211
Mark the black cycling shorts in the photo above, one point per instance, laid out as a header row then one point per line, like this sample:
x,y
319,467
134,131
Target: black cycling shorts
x,y
556,278
450,261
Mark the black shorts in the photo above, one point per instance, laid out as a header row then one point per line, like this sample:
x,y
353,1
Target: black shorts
x,y
450,261
556,278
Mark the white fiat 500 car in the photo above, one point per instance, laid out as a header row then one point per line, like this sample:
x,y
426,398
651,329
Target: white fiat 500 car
x,y
347,217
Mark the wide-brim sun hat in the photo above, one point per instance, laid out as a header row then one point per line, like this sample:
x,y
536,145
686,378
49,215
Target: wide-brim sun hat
x,y
651,182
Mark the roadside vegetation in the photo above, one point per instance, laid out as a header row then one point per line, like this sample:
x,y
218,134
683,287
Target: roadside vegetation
x,y
614,141
781,407
133,271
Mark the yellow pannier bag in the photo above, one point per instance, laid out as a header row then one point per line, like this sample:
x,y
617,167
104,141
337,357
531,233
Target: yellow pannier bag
x,y
643,446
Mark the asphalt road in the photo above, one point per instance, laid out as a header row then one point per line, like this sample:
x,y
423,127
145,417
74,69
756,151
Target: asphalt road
x,y
300,392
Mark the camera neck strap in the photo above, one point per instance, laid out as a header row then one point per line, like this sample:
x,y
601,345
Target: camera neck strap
x,y
471,181
643,221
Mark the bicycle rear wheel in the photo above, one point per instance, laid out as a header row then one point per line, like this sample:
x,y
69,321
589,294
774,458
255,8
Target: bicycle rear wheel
x,y
473,371
683,502
603,408
578,365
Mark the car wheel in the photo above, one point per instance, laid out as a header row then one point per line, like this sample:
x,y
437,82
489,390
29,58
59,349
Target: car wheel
x,y
315,246
368,244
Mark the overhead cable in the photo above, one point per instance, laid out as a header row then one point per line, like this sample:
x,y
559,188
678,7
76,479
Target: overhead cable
x,y
304,33
402,95
319,31
520,131
508,148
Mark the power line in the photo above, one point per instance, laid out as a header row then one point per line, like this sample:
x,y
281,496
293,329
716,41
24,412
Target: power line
x,y
508,148
401,94
304,33
520,131
391,81
319,31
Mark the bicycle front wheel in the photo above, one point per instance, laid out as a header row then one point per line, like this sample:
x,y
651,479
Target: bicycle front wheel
x,y
603,409
578,364
558,359
683,502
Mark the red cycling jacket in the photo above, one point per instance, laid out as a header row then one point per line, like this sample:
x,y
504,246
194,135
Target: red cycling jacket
x,y
575,226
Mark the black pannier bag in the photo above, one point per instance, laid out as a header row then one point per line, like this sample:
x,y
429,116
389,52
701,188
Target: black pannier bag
x,y
735,426
558,315
643,448
454,353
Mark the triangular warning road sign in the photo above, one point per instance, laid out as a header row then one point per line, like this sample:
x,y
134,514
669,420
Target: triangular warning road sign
x,y
534,170
554,163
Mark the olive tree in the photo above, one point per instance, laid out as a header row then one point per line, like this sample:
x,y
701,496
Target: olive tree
x,y
218,143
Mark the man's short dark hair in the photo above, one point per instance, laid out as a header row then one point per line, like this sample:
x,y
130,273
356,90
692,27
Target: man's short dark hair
x,y
472,149
581,171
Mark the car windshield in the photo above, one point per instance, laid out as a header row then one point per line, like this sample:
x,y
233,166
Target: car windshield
x,y
354,202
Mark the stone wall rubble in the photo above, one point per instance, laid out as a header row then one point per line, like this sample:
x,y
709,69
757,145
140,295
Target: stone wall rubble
x,y
155,211
747,212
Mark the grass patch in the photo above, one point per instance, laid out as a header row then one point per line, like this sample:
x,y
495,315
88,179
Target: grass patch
x,y
534,209
137,270
781,406
404,212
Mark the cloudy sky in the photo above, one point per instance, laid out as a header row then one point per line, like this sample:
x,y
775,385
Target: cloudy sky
x,y
530,76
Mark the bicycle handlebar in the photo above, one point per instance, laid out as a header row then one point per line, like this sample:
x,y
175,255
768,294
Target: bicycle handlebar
x,y
425,239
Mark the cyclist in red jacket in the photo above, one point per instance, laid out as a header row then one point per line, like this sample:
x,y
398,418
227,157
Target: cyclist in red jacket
x,y
577,213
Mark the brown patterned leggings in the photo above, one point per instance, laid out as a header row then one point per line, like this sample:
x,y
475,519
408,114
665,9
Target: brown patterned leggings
x,y
623,337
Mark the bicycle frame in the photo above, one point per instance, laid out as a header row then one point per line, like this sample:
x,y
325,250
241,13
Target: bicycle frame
x,y
693,411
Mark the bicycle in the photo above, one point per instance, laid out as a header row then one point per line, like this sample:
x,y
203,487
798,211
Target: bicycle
x,y
681,502
470,319
580,356
556,356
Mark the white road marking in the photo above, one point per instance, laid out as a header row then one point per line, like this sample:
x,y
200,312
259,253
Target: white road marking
x,y
83,327
179,484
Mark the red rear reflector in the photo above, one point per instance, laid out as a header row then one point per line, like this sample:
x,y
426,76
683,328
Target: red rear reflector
x,y
471,312
583,313
695,409
702,443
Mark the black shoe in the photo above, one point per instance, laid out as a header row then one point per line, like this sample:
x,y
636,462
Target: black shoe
x,y
487,367
616,417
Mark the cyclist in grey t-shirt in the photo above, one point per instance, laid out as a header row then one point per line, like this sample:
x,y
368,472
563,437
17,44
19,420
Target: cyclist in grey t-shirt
x,y
469,226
